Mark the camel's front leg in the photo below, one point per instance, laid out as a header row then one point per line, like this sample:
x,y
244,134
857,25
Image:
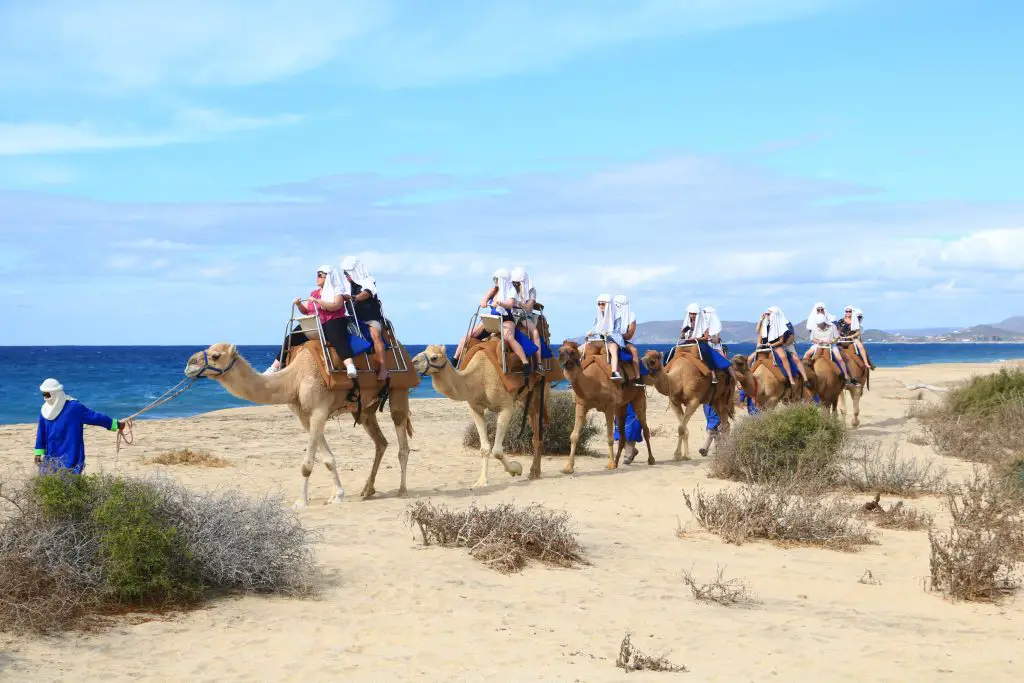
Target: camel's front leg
x,y
855,394
332,464
682,433
621,420
574,438
369,421
477,413
498,449
401,418
537,425
316,436
609,423
640,408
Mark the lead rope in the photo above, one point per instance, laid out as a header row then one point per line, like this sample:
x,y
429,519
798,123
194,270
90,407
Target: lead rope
x,y
127,435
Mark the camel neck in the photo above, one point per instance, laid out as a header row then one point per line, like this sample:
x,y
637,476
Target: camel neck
x,y
245,383
450,382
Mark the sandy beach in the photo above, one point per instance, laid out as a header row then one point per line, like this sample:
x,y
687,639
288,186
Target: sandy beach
x,y
393,609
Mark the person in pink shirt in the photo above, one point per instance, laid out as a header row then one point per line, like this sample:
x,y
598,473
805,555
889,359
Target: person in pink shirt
x,y
327,302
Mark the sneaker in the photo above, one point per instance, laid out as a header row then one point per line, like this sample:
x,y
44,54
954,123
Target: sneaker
x,y
616,376
351,371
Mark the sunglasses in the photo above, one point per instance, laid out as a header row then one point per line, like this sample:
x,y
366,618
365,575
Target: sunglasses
x,y
321,273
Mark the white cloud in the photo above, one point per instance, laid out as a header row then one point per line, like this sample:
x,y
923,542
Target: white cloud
x,y
988,249
190,125
155,244
132,44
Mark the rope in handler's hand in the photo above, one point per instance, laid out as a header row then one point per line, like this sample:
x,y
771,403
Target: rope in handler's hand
x,y
126,433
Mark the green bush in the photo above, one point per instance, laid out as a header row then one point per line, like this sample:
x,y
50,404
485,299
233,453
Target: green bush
x,y
72,546
793,441
561,409
982,395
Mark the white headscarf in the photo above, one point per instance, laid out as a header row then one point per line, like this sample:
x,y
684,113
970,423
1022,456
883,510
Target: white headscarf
x,y
604,323
623,316
525,285
714,325
699,325
777,323
357,271
825,336
52,406
854,322
814,312
333,285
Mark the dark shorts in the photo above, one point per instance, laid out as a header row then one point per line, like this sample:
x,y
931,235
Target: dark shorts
x,y
507,318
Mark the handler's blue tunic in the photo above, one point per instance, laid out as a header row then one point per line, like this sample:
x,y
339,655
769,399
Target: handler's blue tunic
x,y
61,441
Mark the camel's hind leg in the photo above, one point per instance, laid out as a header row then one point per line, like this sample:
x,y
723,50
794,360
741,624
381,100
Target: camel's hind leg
x,y
855,394
316,423
609,422
620,418
640,408
537,418
403,429
574,438
369,421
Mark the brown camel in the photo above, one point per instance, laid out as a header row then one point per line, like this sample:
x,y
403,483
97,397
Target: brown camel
x,y
302,388
770,383
593,387
480,385
688,388
859,371
828,382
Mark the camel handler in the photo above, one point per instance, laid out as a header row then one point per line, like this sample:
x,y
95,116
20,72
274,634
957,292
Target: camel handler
x,y
60,437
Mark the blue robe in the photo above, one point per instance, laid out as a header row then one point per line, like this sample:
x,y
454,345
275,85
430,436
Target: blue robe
x,y
634,432
60,442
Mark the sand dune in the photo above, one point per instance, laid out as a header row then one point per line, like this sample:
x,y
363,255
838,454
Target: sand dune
x,y
395,610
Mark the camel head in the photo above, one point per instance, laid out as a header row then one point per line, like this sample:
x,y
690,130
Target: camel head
x,y
739,364
212,362
431,360
569,355
654,363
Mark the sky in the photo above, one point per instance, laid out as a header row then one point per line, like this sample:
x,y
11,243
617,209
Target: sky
x,y
174,173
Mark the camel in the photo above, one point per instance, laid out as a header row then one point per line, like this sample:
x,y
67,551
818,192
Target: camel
x,y
859,371
481,387
688,389
593,387
825,377
769,389
301,387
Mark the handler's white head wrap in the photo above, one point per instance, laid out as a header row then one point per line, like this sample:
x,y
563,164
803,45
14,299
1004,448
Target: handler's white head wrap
x,y
52,406
623,316
814,311
355,269
714,325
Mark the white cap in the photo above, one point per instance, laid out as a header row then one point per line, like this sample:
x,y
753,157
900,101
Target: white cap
x,y
50,385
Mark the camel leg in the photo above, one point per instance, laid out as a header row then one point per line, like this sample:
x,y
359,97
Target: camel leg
x,y
609,423
640,408
380,444
332,464
400,418
683,415
581,415
316,435
498,449
621,418
855,394
536,419
477,413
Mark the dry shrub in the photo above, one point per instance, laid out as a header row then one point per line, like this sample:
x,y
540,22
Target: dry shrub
x,y
721,591
978,557
186,456
868,579
980,419
869,468
561,409
778,513
632,659
792,441
896,516
504,537
74,546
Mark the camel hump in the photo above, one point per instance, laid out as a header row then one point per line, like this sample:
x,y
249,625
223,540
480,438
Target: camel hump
x,y
403,375
689,354
513,380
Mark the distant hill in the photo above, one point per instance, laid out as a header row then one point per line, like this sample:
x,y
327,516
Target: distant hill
x,y
981,333
1014,324
667,331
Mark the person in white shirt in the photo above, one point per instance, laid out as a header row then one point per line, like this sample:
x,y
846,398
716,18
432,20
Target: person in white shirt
x,y
824,334
703,328
604,327
500,278
625,325
526,298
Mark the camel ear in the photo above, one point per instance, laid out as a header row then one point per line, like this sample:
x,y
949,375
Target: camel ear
x,y
232,350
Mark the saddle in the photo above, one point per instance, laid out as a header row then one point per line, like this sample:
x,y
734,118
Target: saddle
x,y
768,359
513,380
366,364
854,362
595,354
690,354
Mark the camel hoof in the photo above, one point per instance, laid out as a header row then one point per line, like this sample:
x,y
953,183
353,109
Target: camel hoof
x,y
480,483
403,492
677,458
534,474
338,497
612,466
568,470
650,460
368,492
300,505
703,452
514,468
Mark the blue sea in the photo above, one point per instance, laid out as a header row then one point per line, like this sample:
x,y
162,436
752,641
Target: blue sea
x,y
119,380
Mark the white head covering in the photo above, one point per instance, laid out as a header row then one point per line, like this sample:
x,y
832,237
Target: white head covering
x,y
53,405
699,324
525,285
814,312
332,284
777,323
604,323
623,316
714,325
821,336
357,271
854,322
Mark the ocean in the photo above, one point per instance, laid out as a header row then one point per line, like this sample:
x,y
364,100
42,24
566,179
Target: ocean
x,y
119,380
